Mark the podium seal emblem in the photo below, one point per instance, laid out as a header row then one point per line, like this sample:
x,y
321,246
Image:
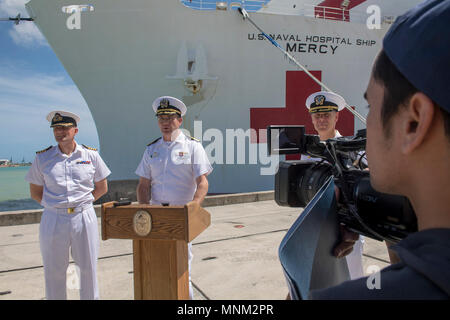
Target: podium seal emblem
x,y
142,223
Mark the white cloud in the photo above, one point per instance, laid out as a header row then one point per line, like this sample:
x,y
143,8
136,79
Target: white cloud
x,y
13,7
40,88
38,93
26,33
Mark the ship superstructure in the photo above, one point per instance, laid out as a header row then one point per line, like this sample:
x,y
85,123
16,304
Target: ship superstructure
x,y
124,54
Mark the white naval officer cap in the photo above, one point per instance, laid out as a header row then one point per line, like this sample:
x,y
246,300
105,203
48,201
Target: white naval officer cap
x,y
324,101
169,105
62,118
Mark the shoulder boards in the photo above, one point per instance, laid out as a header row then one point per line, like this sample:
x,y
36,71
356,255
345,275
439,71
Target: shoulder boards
x,y
89,148
42,151
192,138
154,141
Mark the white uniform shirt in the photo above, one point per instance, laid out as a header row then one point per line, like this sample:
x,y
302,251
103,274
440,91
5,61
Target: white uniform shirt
x,y
68,180
172,168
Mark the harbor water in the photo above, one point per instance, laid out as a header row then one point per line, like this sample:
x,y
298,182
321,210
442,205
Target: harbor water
x,y
14,190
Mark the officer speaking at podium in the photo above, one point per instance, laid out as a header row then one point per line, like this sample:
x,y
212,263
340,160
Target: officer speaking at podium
x,y
174,167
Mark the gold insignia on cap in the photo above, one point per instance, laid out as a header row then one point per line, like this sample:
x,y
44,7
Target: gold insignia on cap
x,y
57,117
164,103
319,100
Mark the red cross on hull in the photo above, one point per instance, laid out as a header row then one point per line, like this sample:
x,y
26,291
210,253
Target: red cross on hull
x,y
298,87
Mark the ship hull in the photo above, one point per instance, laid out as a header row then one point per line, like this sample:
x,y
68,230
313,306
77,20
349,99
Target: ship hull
x,y
126,53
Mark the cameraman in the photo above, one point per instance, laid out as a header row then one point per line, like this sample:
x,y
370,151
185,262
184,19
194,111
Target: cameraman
x,y
409,124
324,108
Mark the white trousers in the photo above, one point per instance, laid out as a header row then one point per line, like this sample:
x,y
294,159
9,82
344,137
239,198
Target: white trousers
x,y
354,260
60,233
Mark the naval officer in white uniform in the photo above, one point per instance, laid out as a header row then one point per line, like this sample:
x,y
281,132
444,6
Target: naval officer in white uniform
x,y
324,108
174,167
66,179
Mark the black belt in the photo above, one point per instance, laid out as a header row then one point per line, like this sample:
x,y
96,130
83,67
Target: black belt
x,y
165,204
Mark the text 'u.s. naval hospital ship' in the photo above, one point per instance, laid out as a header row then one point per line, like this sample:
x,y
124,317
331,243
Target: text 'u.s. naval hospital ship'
x,y
124,54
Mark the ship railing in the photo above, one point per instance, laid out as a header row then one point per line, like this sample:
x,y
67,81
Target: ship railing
x,y
342,14
323,12
333,13
250,6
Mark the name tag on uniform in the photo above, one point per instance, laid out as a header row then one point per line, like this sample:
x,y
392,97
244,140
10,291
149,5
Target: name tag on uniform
x,y
83,162
183,154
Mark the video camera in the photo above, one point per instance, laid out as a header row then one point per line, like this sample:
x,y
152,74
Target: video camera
x,y
360,208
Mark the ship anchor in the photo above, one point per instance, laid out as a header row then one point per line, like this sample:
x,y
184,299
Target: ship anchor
x,y
193,86
192,68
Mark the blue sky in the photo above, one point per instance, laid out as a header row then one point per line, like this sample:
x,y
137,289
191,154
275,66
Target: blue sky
x,y
32,83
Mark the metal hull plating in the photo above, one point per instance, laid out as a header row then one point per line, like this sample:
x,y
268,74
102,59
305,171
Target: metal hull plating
x,y
126,53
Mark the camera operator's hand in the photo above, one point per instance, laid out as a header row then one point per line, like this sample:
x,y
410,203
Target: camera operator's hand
x,y
348,239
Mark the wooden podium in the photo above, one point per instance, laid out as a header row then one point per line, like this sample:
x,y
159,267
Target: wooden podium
x,y
160,237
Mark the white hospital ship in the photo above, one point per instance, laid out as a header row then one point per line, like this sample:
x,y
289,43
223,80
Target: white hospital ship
x,y
124,54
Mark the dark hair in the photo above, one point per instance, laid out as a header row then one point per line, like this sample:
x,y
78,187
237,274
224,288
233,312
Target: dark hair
x,y
397,91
